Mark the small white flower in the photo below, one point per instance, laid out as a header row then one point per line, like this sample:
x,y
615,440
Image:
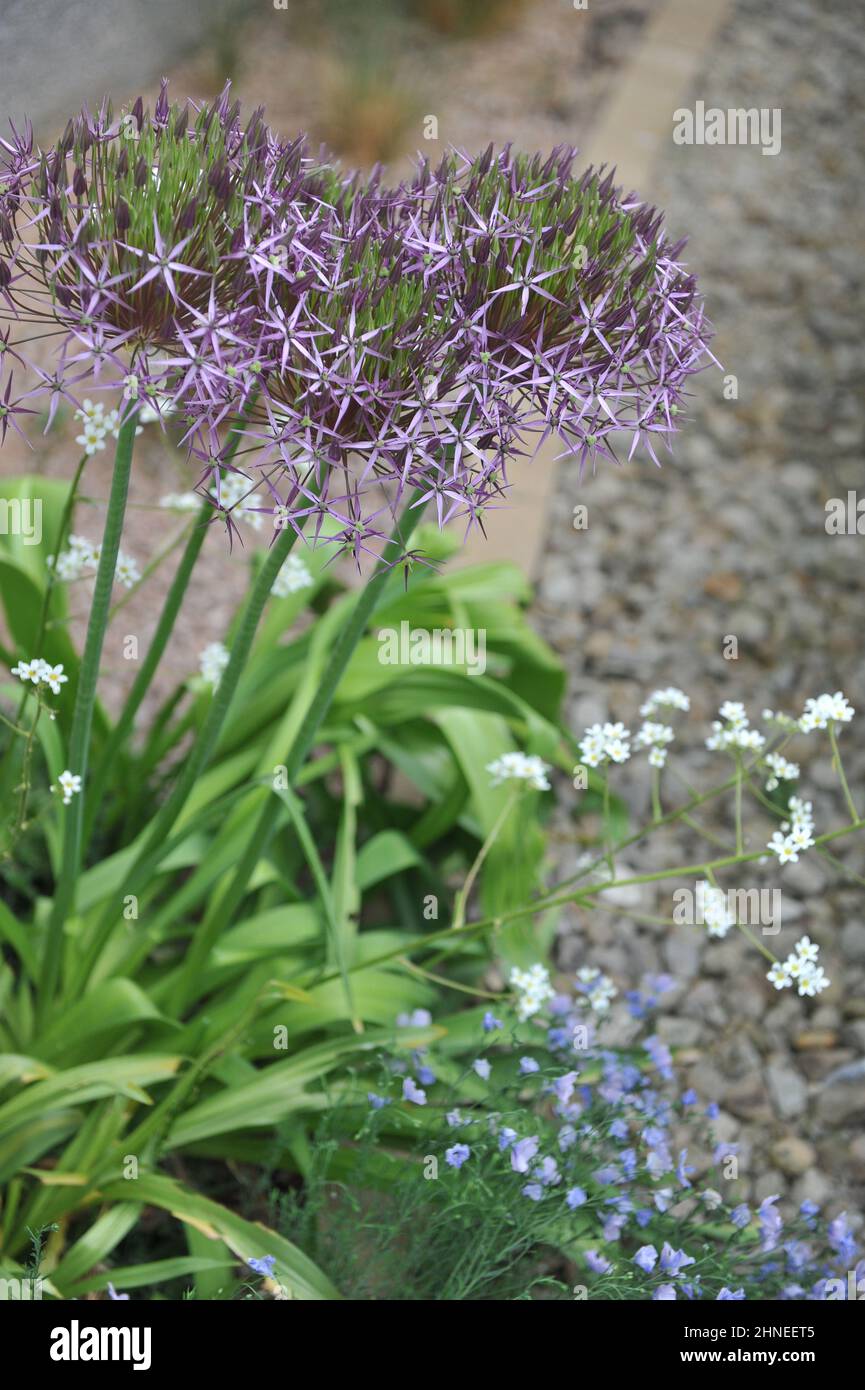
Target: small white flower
x,y
779,976
735,731
825,710
519,767
292,577
158,408
712,908
671,698
213,661
234,494
180,501
605,743
53,677
781,770
800,968
69,783
127,572
29,670
91,413
806,949
533,988
92,439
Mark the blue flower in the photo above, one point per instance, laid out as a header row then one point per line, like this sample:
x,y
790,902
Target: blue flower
x,y
523,1152
425,1076
120,1297
576,1197
840,1235
741,1215
455,1119
643,1217
264,1265
420,1018
689,1097
482,1068
619,1129
506,1138
564,1086
661,1056
628,1160
597,1262
683,1168
713,1110
567,1138
771,1224
457,1154
528,1065
548,1173
491,1022
730,1296
612,1227
674,1261
534,1191
663,1292
646,1257
377,1102
412,1092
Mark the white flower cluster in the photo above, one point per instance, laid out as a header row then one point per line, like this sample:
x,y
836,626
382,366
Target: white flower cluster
x,y
735,731
603,743
69,784
180,501
39,672
598,989
671,698
213,661
655,737
97,425
233,492
781,770
82,559
533,988
795,834
519,767
819,713
712,909
800,969
293,576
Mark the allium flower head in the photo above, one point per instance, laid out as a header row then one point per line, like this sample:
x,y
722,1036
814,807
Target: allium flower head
x,y
396,342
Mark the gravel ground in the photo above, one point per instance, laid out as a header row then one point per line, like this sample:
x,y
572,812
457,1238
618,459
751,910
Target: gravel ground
x,y
730,539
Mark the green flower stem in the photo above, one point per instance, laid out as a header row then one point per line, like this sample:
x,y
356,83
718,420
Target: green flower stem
x,y
839,768
608,839
265,826
63,905
486,924
462,896
200,753
669,819
657,813
740,845
159,641
62,531
742,927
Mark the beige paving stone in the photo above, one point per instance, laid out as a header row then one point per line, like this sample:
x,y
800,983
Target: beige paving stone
x,y
631,133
